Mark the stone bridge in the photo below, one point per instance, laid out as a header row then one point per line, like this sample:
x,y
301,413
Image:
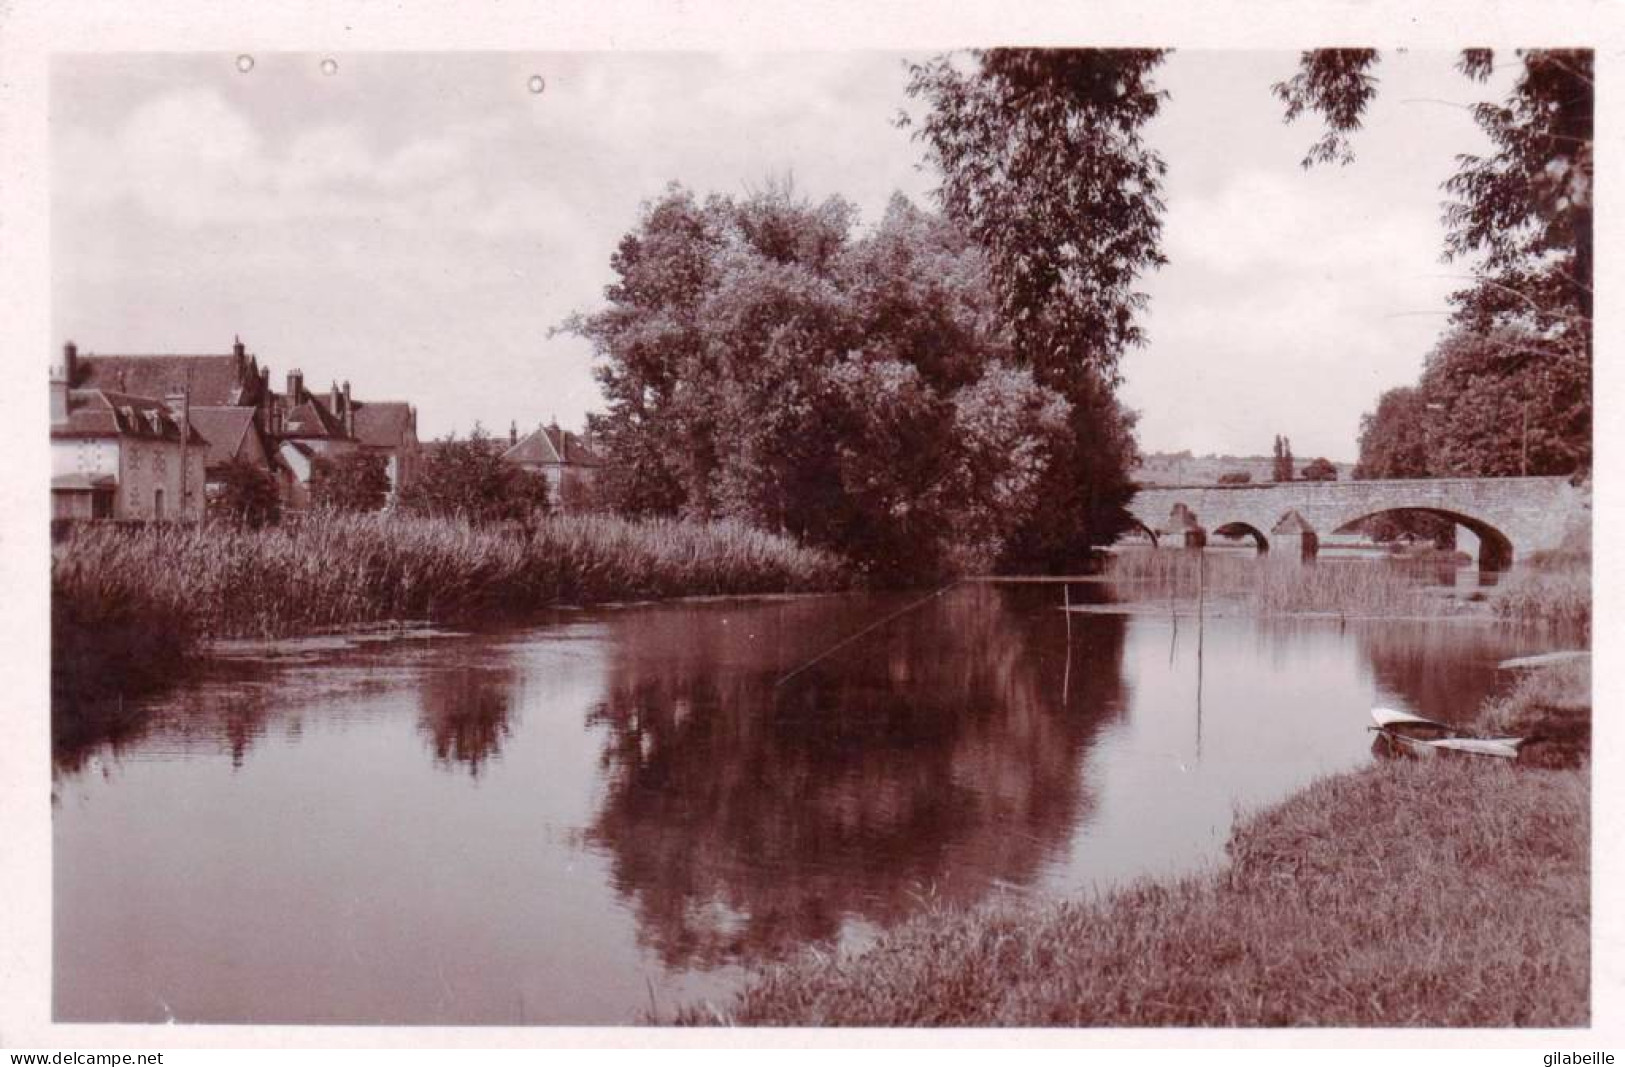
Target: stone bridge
x,y
1510,516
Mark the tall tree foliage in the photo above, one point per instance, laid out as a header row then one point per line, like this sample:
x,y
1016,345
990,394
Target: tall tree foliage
x,y
1519,353
1393,439
1503,403
1045,166
763,364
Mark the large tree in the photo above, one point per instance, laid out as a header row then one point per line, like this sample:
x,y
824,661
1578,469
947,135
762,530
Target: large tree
x,y
1394,438
1503,403
1519,354
1045,166
762,364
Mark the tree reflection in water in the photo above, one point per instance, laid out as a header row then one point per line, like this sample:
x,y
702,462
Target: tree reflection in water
x,y
226,710
743,819
464,712
1439,669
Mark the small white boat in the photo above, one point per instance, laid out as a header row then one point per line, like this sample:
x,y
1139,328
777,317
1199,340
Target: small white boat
x,y
1404,732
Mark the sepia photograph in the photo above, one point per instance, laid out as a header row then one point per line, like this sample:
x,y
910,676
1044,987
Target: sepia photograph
x,y
992,535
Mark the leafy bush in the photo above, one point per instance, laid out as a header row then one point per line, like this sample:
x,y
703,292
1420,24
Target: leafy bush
x,y
350,481
470,480
246,493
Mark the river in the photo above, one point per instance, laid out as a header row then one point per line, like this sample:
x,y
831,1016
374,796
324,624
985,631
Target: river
x,y
612,812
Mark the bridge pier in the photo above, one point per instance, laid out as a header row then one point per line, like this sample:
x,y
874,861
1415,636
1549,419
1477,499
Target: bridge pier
x,y
1295,540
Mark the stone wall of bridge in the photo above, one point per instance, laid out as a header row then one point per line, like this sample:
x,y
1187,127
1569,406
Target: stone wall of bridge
x,y
1511,516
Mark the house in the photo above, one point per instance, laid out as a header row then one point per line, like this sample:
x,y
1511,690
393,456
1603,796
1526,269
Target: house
x,y
118,455
234,435
309,426
232,405
233,379
567,460
388,428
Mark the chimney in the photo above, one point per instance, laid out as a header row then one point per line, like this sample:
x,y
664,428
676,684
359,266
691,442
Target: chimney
x,y
513,432
237,355
59,394
333,398
349,412
70,364
296,387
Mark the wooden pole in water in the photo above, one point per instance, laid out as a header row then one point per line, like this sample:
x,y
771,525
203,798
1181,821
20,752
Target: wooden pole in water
x,y
1201,585
1066,676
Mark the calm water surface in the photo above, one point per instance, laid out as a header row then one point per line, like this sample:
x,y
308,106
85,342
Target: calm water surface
x,y
571,821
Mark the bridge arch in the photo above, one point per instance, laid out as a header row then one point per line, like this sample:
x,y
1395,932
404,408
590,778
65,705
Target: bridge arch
x,y
1134,523
1241,528
1494,546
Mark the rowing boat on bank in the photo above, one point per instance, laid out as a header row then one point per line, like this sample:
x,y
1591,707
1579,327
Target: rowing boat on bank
x,y
1402,732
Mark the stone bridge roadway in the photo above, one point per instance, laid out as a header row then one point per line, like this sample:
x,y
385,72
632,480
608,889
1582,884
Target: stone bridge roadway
x,y
1510,516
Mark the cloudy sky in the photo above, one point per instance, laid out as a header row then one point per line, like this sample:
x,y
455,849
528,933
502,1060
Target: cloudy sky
x,y
416,223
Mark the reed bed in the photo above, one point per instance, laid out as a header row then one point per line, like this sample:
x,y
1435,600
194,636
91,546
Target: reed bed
x,y
1375,588
336,571
1547,596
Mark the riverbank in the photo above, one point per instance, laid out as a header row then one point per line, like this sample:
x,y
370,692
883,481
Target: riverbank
x,y
1410,893
129,604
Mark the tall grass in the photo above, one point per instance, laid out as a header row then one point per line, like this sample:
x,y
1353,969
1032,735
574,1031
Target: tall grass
x,y
333,571
1380,588
1550,595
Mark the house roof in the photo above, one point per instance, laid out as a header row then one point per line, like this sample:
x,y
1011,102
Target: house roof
x,y
215,381
383,423
227,431
551,446
99,413
311,418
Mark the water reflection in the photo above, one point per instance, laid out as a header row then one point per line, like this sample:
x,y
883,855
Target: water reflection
x,y
559,822
1446,671
464,713
744,818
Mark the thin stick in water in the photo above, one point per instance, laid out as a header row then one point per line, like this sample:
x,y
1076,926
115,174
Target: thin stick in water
x,y
865,631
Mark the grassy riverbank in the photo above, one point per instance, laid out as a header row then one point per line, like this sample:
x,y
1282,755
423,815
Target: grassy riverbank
x,y
1437,893
129,602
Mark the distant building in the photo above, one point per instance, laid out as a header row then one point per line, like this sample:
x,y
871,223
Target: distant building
x,y
117,455
567,460
239,415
